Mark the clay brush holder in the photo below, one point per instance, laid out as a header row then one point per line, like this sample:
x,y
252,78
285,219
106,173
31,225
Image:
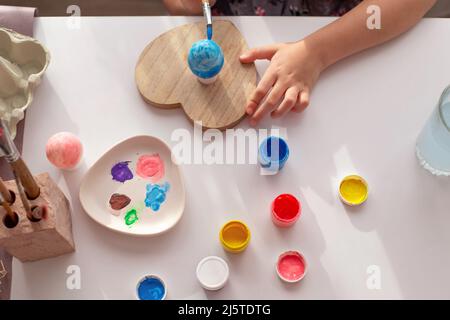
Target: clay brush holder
x,y
49,237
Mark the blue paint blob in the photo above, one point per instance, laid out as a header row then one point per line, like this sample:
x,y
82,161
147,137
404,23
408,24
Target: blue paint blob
x,y
273,153
205,59
120,172
151,288
156,195
209,31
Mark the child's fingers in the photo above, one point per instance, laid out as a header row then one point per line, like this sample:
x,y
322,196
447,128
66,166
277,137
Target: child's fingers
x,y
302,102
289,101
261,91
304,99
265,52
269,104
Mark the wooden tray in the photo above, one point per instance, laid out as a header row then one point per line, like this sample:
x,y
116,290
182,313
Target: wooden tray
x,y
165,80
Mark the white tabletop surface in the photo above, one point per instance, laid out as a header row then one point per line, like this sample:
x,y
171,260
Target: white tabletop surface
x,y
365,115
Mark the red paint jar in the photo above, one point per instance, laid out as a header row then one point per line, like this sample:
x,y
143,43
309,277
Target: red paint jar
x,y
286,210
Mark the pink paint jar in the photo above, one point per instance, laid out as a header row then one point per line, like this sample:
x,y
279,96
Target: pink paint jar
x,y
291,266
286,210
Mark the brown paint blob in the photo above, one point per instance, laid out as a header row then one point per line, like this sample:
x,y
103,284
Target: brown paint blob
x,y
119,201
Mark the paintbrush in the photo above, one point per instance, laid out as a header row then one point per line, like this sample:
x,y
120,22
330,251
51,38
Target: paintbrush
x,y
32,215
9,150
6,200
4,192
5,204
208,18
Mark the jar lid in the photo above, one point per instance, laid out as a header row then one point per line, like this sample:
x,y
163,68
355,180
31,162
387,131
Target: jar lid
x,y
212,273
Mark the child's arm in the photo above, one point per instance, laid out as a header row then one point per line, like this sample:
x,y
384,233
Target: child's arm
x,y
295,67
185,7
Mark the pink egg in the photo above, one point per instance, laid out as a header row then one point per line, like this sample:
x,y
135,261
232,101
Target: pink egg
x,y
64,150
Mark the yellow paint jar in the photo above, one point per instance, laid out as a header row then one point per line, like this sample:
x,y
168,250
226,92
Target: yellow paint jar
x,y
353,190
235,236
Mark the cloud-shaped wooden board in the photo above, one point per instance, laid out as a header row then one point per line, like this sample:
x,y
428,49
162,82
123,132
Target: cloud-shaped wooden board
x,y
165,80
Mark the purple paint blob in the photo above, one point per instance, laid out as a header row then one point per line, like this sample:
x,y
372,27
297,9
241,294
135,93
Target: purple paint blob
x,y
120,172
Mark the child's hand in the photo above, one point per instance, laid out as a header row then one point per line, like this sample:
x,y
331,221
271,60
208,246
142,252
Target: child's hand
x,y
288,81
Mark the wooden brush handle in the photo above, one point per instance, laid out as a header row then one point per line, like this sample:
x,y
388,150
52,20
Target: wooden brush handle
x,y
23,173
5,192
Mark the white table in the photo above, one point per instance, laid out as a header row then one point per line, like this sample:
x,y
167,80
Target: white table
x,y
365,115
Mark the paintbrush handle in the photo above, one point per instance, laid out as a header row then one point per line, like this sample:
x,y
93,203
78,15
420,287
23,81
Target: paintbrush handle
x,y
9,211
207,12
5,192
5,204
26,178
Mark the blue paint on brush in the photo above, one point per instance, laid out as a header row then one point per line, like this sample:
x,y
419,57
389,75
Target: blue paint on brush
x,y
209,31
205,59
151,288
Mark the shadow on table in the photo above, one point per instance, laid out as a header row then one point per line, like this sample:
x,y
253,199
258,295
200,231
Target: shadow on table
x,y
422,233
253,269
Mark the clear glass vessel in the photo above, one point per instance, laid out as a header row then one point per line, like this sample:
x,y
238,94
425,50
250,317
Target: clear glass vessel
x,y
433,144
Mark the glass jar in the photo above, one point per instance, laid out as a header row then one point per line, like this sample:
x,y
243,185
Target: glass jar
x,y
433,144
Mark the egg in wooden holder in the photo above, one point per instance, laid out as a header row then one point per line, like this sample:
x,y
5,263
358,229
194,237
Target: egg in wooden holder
x,y
164,79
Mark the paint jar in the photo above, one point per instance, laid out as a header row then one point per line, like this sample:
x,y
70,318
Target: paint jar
x,y
433,143
291,266
353,190
235,236
273,153
212,273
286,210
151,287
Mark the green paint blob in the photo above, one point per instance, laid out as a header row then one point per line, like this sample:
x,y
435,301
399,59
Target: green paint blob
x,y
131,217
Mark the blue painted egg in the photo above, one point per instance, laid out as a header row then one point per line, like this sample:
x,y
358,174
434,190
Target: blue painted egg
x,y
205,59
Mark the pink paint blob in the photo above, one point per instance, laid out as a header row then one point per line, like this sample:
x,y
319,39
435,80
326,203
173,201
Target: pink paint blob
x,y
291,266
64,150
150,167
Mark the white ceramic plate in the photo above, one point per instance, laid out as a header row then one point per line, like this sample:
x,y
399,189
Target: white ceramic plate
x,y
98,186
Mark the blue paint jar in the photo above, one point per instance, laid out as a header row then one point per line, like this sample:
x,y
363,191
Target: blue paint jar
x,y
273,153
151,288
205,60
